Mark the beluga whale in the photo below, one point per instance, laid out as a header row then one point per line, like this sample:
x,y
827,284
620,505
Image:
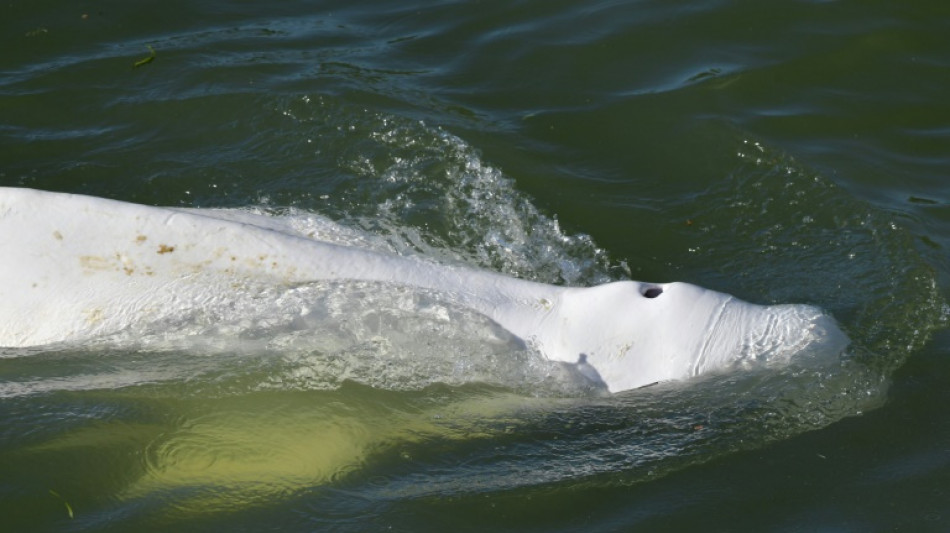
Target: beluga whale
x,y
76,268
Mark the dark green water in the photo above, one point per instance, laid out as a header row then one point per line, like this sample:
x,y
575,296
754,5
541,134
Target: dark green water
x,y
780,151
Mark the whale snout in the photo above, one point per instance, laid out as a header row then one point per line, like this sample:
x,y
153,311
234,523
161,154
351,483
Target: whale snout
x,y
750,334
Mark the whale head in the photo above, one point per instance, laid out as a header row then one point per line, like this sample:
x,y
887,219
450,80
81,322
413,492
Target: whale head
x,y
634,334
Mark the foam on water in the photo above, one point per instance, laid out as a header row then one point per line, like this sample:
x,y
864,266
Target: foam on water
x,y
426,190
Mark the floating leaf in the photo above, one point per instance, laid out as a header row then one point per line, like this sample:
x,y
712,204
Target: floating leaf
x,y
145,60
69,508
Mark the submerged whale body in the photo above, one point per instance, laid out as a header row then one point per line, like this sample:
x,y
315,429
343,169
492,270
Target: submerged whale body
x,y
77,267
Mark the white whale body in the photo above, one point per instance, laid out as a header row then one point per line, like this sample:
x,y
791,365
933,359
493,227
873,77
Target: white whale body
x,y
75,267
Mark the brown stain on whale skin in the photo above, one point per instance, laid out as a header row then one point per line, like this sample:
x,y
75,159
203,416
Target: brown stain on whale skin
x,y
91,263
94,315
165,249
95,263
125,263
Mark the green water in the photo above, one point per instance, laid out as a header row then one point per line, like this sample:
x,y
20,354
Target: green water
x,y
779,151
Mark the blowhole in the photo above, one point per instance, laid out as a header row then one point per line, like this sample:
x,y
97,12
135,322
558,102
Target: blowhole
x,y
652,292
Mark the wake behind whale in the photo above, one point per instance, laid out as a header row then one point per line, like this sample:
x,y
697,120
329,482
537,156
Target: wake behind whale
x,y
80,268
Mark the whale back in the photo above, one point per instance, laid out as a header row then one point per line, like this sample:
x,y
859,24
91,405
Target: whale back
x,y
78,266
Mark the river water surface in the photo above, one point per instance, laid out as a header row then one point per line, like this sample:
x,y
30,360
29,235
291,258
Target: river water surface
x,y
786,151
